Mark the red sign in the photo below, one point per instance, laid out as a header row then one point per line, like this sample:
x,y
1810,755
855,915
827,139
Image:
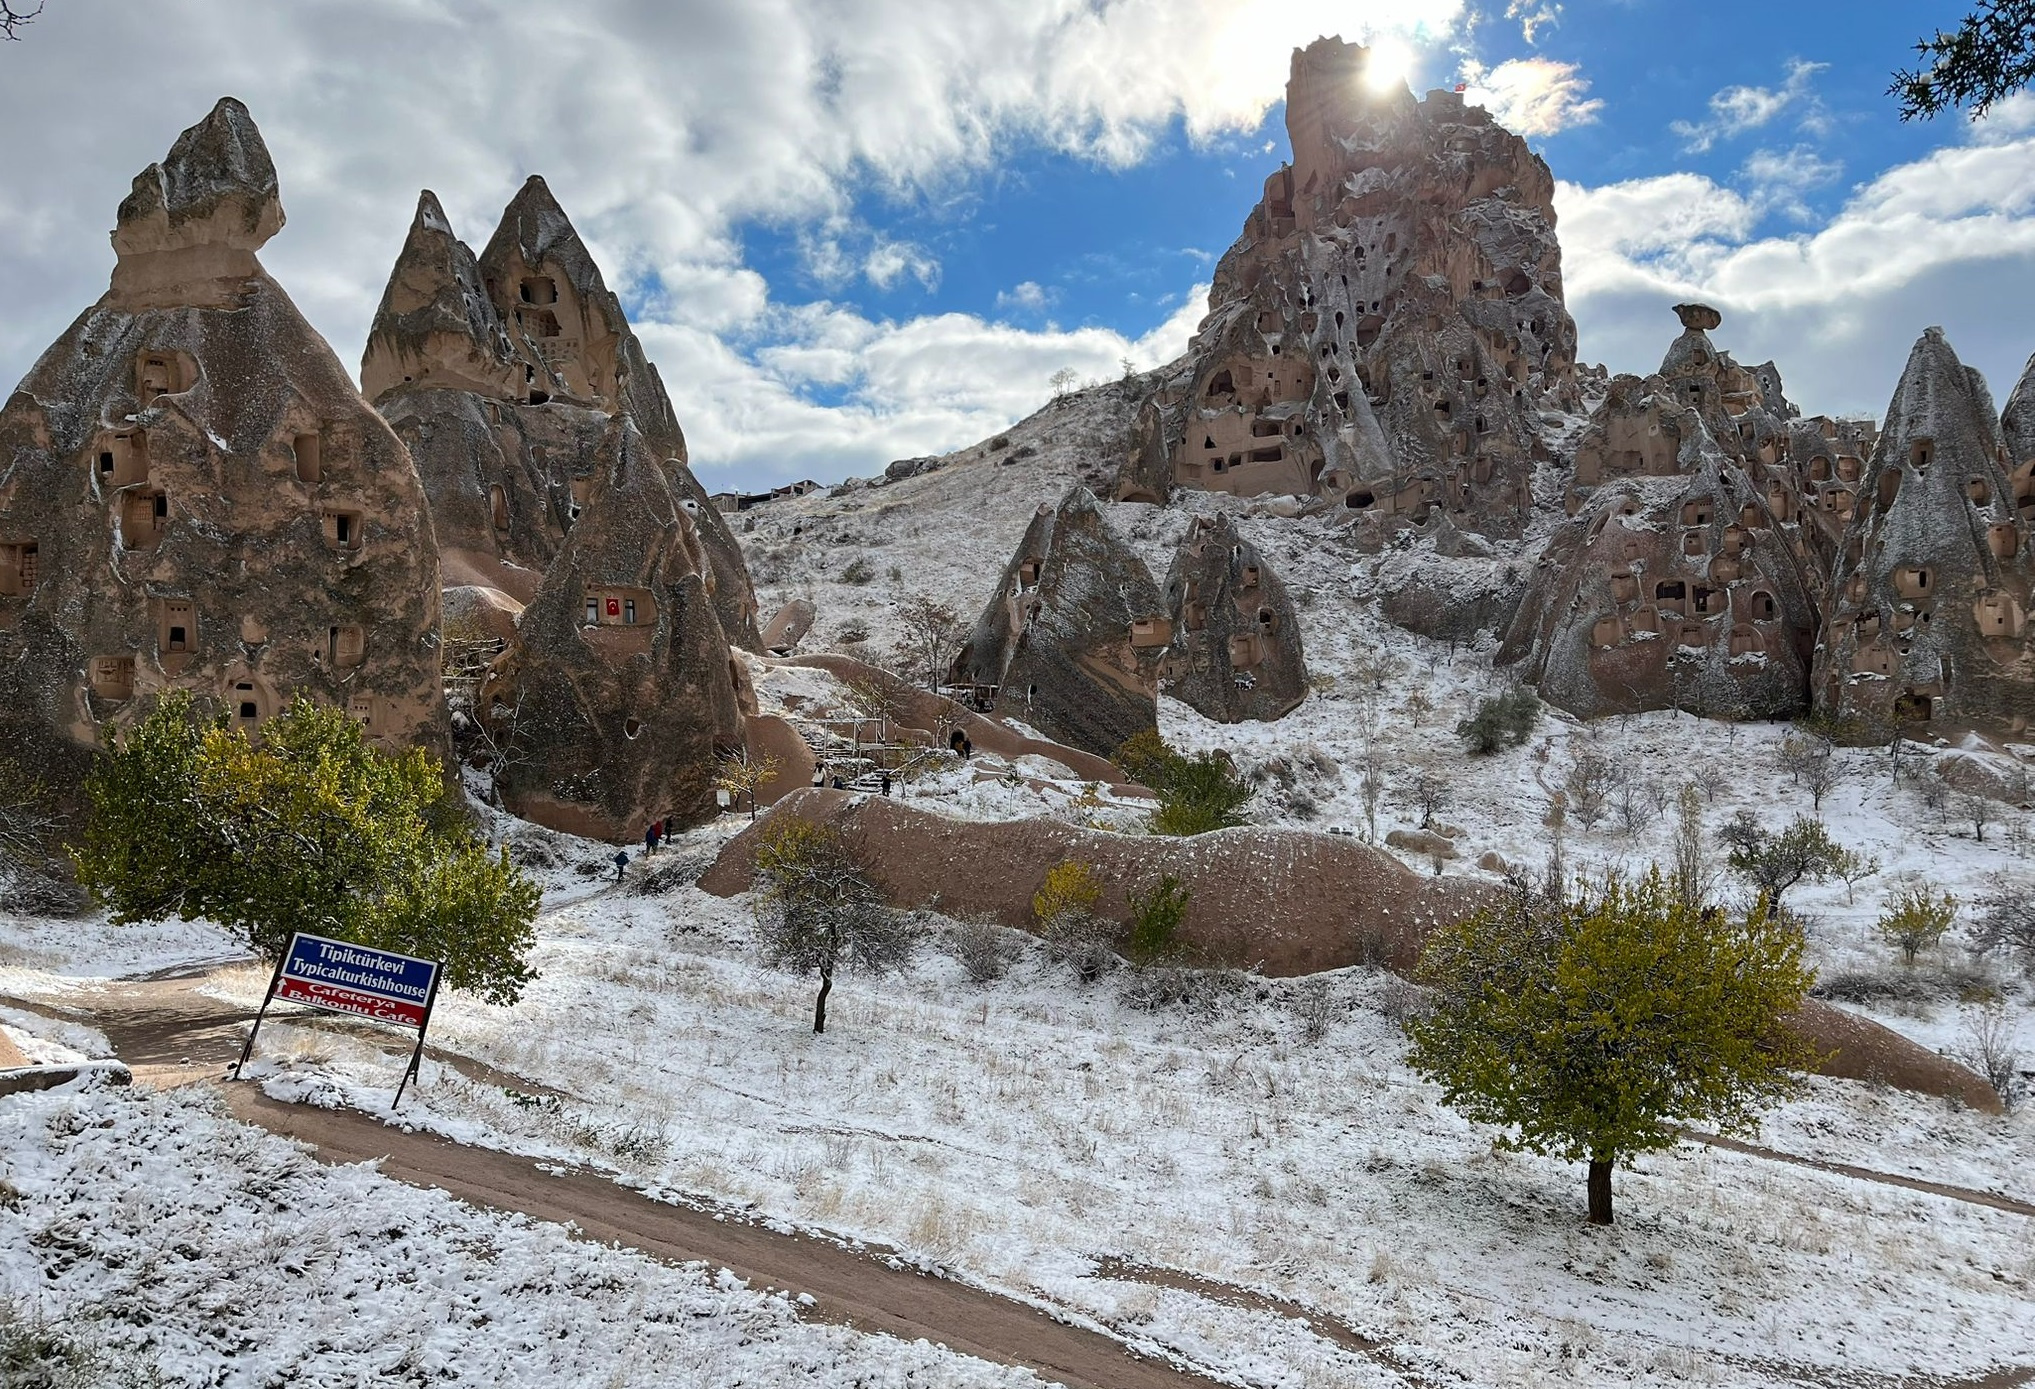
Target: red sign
x,y
345,978
614,607
335,999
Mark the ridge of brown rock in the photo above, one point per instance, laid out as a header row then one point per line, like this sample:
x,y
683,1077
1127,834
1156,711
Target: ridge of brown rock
x,y
1235,650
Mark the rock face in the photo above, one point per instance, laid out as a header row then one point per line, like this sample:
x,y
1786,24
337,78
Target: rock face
x,y
1235,651
1072,640
619,687
1685,578
1387,329
1932,586
789,627
193,496
503,372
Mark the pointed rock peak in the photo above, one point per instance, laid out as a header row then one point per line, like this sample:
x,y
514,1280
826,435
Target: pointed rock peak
x,y
217,186
435,325
2018,420
534,224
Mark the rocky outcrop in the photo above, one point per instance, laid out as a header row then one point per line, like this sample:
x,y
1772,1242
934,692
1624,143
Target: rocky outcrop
x,y
502,372
1932,586
1683,581
619,688
193,495
1072,639
1235,651
1389,326
789,627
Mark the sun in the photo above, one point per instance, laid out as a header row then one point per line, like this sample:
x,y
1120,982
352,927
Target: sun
x,y
1387,67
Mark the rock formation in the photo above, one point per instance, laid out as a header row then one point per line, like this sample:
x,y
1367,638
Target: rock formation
x,y
1931,588
1683,580
1072,639
789,627
1386,331
1235,650
619,687
503,372
193,495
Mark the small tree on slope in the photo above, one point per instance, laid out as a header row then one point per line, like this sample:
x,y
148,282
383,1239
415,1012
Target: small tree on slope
x,y
1593,1029
311,829
818,912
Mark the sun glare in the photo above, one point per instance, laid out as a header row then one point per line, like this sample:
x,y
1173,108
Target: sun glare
x,y
1387,68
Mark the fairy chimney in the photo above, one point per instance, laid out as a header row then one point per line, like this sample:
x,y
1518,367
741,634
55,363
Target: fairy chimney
x,y
1073,636
193,496
502,371
619,687
1384,334
1931,589
1235,639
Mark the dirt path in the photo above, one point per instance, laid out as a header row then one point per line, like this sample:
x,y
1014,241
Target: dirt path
x,y
1969,1195
170,1034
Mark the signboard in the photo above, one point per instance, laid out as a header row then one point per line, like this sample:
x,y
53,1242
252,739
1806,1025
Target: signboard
x,y
357,980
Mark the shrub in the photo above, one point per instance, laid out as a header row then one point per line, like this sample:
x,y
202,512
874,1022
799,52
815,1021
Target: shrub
x,y
1501,721
1155,920
1915,919
1196,794
985,950
858,571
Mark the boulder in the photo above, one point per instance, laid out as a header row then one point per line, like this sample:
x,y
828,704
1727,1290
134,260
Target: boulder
x,y
195,497
1425,842
788,628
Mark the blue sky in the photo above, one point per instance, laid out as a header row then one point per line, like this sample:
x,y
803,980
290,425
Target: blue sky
x,y
855,230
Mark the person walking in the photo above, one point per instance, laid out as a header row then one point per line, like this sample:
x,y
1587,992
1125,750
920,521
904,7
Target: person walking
x,y
886,783
650,840
621,863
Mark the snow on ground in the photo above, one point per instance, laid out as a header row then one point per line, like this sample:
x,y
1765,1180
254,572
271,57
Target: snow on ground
x,y
232,1258
1018,1132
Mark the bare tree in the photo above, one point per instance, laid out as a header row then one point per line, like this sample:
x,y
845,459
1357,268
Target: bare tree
x,y
2006,920
1980,810
1555,883
931,629
1371,786
740,774
1430,792
12,21
1822,775
1638,802
1062,381
1590,781
1992,1047
1695,875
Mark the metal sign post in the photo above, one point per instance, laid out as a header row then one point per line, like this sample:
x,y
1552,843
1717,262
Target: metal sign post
x,y
357,980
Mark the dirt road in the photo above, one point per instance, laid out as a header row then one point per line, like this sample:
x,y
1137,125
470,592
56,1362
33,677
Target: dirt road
x,y
170,1034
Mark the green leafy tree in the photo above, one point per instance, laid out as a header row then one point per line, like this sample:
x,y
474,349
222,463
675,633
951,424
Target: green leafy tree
x,y
1775,863
818,911
1501,721
1915,919
1196,794
310,829
1986,58
1592,1029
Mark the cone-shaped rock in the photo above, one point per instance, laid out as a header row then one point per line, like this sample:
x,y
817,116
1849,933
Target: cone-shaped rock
x,y
1931,588
1384,333
193,495
619,687
1074,634
502,371
1235,650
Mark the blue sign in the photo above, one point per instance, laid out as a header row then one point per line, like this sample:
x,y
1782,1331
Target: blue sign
x,y
341,977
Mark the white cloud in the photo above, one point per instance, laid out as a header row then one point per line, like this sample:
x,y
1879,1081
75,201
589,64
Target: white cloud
x,y
1532,96
1735,110
1029,296
1780,178
1533,16
1948,239
664,129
